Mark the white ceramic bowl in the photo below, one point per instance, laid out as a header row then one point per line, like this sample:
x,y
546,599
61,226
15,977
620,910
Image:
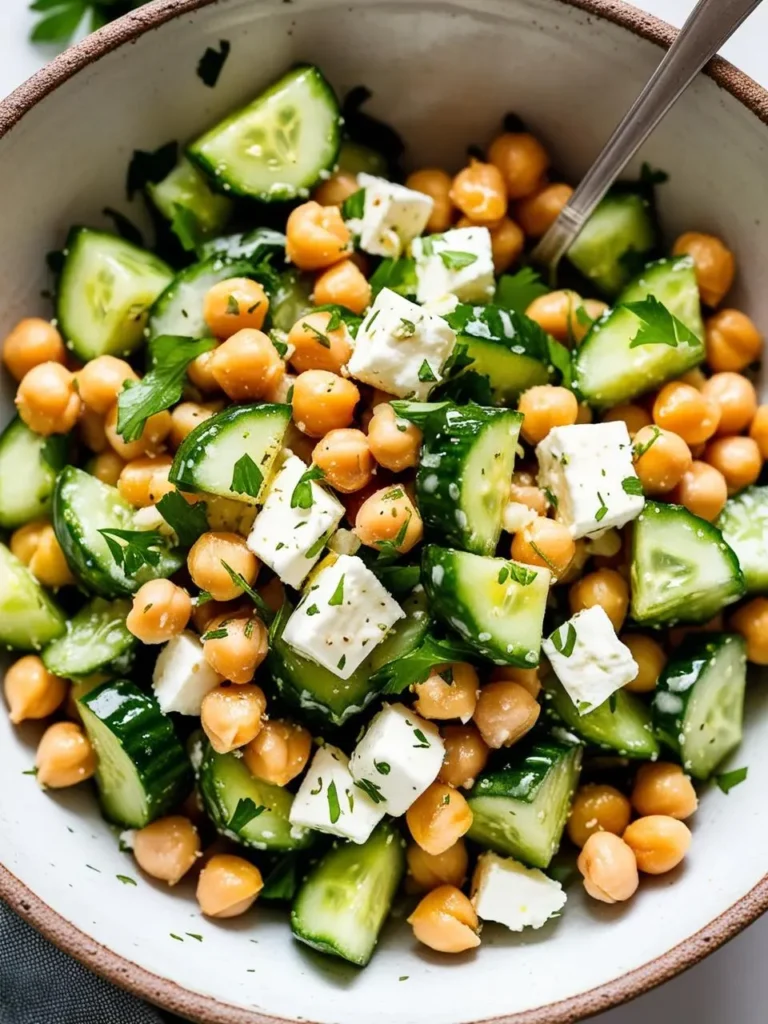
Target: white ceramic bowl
x,y
443,72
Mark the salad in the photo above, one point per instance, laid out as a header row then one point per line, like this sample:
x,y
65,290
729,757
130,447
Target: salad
x,y
344,555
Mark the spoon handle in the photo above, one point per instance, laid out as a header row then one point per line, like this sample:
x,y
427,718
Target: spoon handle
x,y
709,25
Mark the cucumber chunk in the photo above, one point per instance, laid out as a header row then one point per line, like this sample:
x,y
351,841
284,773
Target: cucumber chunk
x,y
497,606
622,723
232,453
185,199
744,525
682,570
621,225
344,901
28,467
97,638
292,299
673,282
520,807
277,147
462,483
83,505
179,310
106,289
142,769
698,704
29,618
246,809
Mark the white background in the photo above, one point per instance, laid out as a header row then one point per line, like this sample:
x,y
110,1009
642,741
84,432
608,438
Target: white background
x,y
732,985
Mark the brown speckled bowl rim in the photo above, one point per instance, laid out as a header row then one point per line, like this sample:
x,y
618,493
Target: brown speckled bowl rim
x,y
204,1009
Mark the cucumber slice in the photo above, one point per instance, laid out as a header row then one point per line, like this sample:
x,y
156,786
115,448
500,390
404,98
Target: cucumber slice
x,y
83,505
622,723
682,569
179,310
232,453
28,467
142,770
520,807
462,483
185,199
355,158
249,245
698,704
497,606
607,371
277,147
292,299
246,809
29,618
744,525
621,225
344,901
106,289
97,638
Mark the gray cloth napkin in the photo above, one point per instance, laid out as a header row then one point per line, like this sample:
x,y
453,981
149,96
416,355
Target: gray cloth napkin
x,y
41,985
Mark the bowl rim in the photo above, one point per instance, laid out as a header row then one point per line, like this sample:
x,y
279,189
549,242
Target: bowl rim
x,y
169,995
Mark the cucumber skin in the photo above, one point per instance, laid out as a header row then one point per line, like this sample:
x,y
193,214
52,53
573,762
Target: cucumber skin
x,y
561,707
123,648
751,505
53,455
587,252
148,738
31,636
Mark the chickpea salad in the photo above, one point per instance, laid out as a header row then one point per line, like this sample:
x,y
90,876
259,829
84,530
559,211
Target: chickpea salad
x,y
348,556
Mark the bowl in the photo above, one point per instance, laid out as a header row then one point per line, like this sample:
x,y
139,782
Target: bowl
x,y
443,72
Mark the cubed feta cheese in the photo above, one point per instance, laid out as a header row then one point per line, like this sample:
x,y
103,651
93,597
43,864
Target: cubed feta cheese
x,y
401,348
290,540
329,801
182,676
589,659
588,469
392,216
399,756
506,891
343,614
458,262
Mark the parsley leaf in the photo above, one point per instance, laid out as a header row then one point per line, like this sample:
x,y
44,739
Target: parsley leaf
x,y
640,449
423,741
353,207
414,667
371,790
245,812
382,767
341,315
632,485
211,63
334,807
602,512
453,260
397,275
126,879
233,306
240,581
337,597
302,492
565,645
517,291
426,376
187,521
247,478
140,548
324,340
728,780
658,326
148,167
516,574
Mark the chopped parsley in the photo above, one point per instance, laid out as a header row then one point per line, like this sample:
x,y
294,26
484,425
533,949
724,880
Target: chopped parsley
x,y
516,574
371,790
324,340
602,512
425,375
658,326
342,662
319,789
547,561
353,207
632,485
133,549
126,879
313,610
244,813
247,478
407,329
518,291
240,581
551,498
382,767
187,521
215,634
423,741
728,780
210,65
302,492
233,306
640,449
565,646
334,807
453,260
337,597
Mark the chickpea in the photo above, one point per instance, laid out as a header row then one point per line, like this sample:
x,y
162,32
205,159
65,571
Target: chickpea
x,y
733,341
345,458
735,397
466,755
316,236
445,920
544,543
231,716
439,818
532,497
634,416
228,886
606,588
528,678
544,407
64,756
200,372
343,285
394,443
237,655
247,365
663,788
107,467
664,460
389,517
273,594
751,621
160,610
152,439
101,380
167,848
479,192
32,342
505,712
714,265
233,305
184,418
539,211
31,690
136,479
650,658
609,868
47,562
322,402
427,871
556,313
522,160
25,540
47,400
659,842
687,412
317,348
91,430
597,808
279,752
702,490
206,564
436,184
758,430
449,691
334,190
737,458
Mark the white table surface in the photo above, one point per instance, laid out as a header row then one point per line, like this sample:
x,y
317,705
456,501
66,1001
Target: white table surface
x,y
731,985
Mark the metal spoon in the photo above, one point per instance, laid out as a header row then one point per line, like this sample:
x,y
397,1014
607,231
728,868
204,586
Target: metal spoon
x,y
710,24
